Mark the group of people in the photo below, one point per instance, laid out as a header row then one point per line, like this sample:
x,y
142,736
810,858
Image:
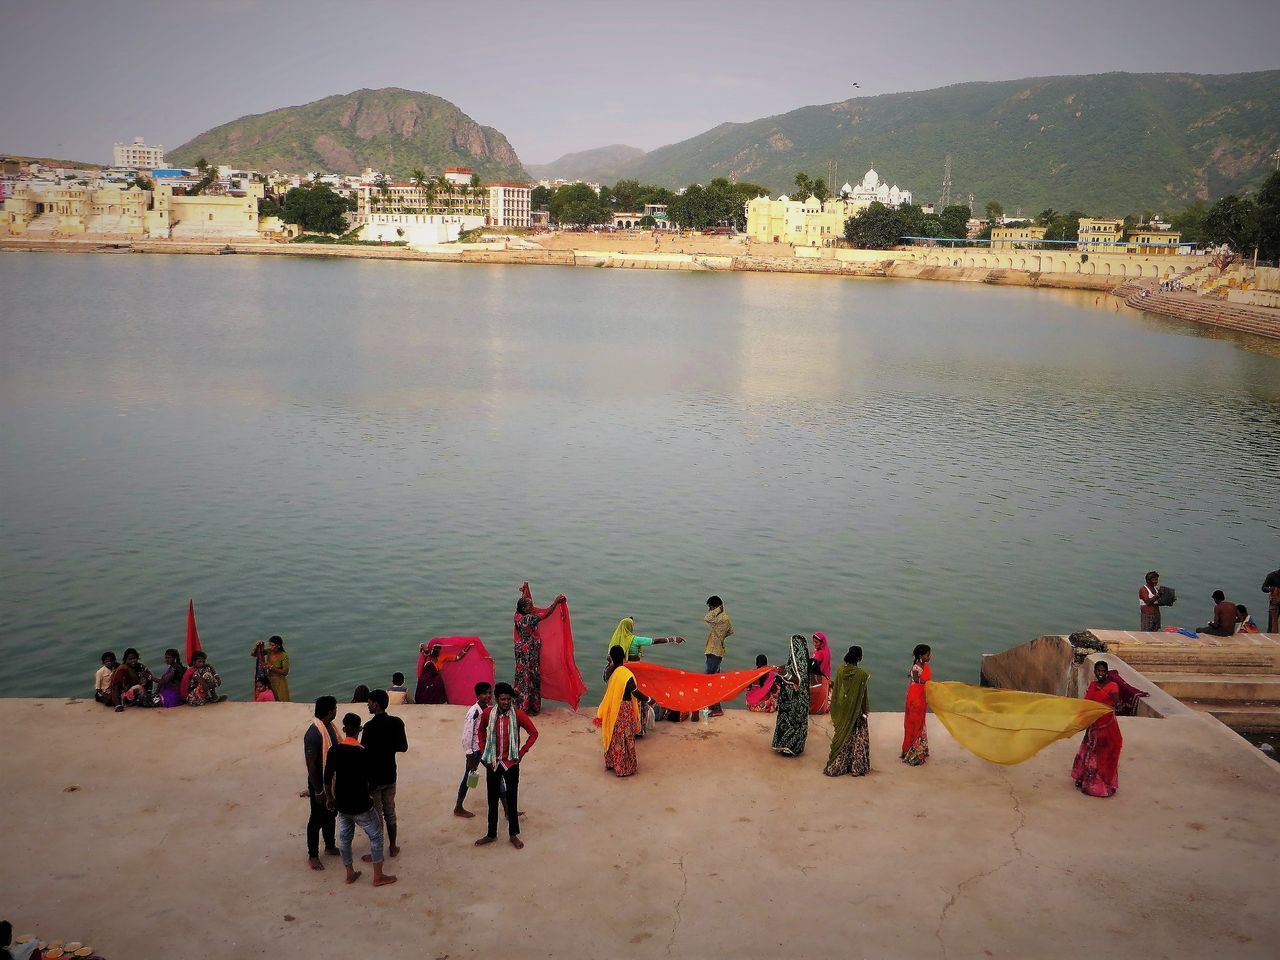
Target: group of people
x,y
129,683
351,779
1228,618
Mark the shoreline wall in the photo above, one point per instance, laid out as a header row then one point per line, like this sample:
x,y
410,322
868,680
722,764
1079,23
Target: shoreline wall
x,y
960,265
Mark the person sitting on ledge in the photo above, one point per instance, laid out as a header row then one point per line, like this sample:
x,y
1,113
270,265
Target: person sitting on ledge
x,y
102,678
131,683
361,694
1223,623
168,688
397,693
203,683
262,692
10,951
1244,622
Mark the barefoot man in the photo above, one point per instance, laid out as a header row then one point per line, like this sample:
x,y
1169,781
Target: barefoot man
x,y
471,743
319,738
347,787
501,751
383,738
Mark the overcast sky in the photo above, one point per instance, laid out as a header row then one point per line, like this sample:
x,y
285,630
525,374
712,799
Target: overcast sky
x,y
564,75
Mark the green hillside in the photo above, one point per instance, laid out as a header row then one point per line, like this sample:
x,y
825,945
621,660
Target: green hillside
x,y
603,164
391,130
1106,143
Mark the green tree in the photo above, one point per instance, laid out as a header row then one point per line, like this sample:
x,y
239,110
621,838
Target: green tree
x,y
584,213
1047,217
316,209
804,186
647,221
1190,221
954,221
203,166
539,197
1268,206
995,209
1234,221
875,228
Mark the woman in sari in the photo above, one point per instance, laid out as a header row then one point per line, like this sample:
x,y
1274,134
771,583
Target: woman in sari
x,y
792,727
762,695
202,682
619,717
131,682
819,689
851,743
915,736
167,687
822,653
1096,769
273,663
528,654
431,687
624,636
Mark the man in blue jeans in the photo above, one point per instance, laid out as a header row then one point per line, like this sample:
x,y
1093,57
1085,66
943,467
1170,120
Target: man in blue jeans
x,y
719,629
349,791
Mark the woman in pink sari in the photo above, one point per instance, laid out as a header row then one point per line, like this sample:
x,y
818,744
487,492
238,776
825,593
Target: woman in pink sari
x,y
822,653
762,695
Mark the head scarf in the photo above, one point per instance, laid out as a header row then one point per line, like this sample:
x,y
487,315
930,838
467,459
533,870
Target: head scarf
x,y
796,669
622,635
849,701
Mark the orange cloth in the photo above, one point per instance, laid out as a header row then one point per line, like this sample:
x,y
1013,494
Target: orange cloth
x,y
685,691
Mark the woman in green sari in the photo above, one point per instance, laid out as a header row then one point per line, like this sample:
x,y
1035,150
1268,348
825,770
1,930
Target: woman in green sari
x,y
851,743
792,727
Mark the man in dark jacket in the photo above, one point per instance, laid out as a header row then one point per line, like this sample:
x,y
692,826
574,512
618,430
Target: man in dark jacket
x,y
383,738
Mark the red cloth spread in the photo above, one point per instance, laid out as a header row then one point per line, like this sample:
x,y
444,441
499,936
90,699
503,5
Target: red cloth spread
x,y
685,691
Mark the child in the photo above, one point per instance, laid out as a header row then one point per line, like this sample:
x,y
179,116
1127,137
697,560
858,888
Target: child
x,y
102,678
1244,622
262,692
397,693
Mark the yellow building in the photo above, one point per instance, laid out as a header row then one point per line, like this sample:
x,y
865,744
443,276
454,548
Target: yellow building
x,y
1100,233
802,223
1150,240
1024,235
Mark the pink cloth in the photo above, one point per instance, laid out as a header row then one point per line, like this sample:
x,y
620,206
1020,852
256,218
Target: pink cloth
x,y
561,678
461,676
822,652
265,696
757,694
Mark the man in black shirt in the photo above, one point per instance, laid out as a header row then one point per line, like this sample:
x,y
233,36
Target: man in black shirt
x,y
346,783
320,736
383,738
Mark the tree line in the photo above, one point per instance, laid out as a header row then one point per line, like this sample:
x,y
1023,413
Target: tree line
x,y
718,203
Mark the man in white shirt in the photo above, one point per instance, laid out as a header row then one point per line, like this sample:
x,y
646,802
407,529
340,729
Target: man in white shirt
x,y
471,742
102,678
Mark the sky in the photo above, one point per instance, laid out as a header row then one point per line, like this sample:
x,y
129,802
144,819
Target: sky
x,y
564,75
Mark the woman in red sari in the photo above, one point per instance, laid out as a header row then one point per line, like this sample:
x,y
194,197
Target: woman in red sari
x,y
915,738
1096,770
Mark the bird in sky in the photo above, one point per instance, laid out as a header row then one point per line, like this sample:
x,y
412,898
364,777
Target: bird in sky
x,y
855,83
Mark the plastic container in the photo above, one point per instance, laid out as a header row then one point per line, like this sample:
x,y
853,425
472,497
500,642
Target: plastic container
x,y
473,779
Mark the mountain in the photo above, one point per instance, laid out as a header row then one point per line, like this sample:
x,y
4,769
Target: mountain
x,y
1104,143
391,130
603,164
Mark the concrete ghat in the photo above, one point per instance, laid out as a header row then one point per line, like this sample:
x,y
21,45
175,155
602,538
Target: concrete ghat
x,y
718,848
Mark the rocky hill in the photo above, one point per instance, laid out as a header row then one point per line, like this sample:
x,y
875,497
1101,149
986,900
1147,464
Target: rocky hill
x,y
1114,143
603,164
391,130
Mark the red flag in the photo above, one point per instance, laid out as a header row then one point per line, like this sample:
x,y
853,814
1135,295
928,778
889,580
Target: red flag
x,y
193,638
561,679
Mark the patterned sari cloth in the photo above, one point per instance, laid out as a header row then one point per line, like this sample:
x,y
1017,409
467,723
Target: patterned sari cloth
x,y
915,736
792,727
851,742
1096,769
762,697
528,673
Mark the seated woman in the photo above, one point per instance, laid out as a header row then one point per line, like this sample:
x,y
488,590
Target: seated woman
x,y
170,682
131,683
262,692
762,695
819,689
203,681
361,694
431,687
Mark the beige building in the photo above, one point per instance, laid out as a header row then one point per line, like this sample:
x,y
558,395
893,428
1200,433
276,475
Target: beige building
x,y
802,223
139,155
1152,240
1013,237
509,204
1100,233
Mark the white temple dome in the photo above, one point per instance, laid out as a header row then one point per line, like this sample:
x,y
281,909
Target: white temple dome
x,y
871,179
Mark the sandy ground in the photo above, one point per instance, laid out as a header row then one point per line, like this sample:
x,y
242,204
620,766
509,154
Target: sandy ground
x,y
180,833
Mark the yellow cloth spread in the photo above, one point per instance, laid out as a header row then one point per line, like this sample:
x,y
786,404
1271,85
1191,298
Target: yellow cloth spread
x,y
1008,726
607,713
622,635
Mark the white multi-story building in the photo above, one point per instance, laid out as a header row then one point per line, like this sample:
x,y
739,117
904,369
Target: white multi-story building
x,y
139,155
509,204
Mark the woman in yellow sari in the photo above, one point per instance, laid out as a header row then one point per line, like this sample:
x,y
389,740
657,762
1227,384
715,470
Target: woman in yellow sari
x,y
619,717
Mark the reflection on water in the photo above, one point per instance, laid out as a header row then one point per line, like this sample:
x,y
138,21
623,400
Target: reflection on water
x,y
360,455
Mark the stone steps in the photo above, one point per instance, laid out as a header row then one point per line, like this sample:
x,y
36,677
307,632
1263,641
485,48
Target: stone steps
x,y
1227,688
1255,718
1240,317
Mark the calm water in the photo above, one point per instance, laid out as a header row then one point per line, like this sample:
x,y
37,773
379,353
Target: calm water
x,y
362,455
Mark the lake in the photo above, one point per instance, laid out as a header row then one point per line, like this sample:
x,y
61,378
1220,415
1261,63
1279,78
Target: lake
x,y
361,455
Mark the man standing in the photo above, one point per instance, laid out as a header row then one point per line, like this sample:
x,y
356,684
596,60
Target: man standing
x,y
349,792
501,752
1223,623
471,743
317,741
719,629
383,738
1271,586
1148,609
